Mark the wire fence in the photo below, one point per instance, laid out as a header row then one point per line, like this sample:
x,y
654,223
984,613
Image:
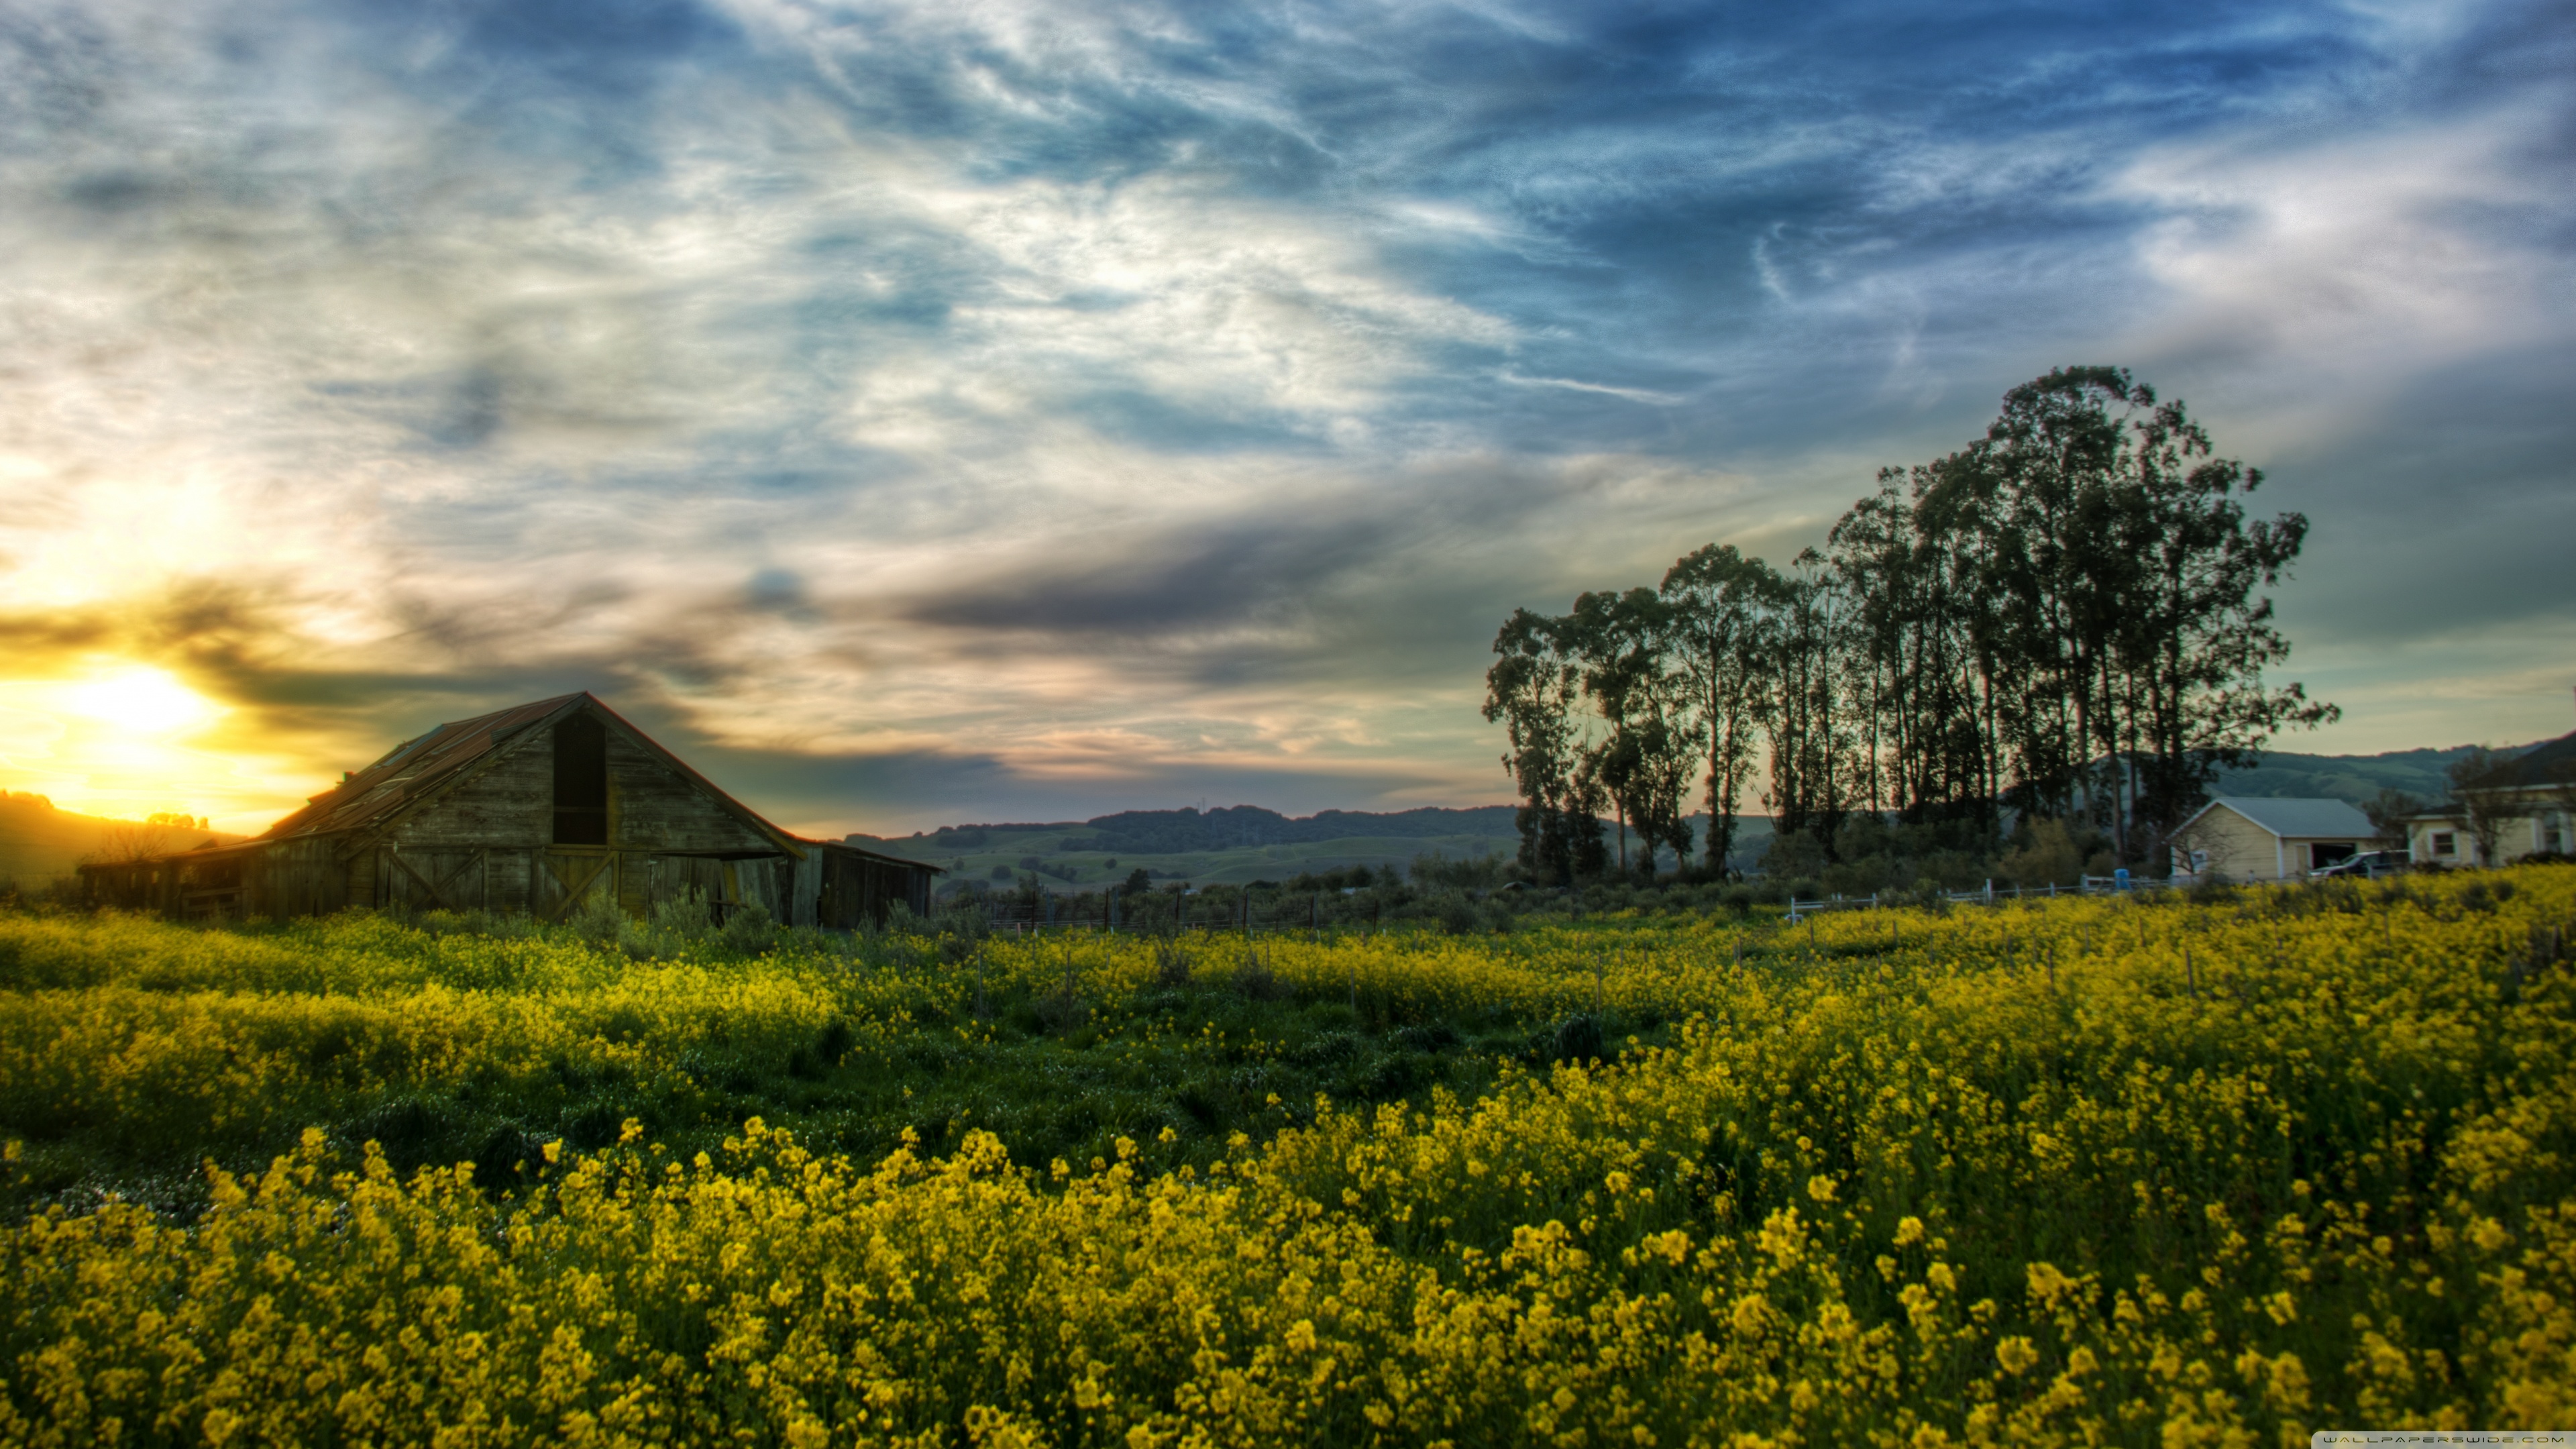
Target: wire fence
x,y
1991,894
1248,912
1162,913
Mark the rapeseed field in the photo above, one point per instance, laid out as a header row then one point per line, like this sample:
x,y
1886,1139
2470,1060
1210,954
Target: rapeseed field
x,y
2084,1172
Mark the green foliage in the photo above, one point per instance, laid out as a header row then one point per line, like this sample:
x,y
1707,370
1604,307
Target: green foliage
x,y
359,1024
2062,619
2050,856
2101,1172
1483,872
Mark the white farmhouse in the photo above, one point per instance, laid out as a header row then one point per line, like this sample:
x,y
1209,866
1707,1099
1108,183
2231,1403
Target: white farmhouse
x,y
2525,806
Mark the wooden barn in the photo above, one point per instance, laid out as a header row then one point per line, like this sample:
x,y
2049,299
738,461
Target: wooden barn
x,y
540,808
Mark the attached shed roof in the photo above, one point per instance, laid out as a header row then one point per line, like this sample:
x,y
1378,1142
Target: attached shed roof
x,y
843,847
2300,819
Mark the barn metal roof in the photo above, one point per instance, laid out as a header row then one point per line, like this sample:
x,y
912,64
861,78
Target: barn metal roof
x,y
415,768
425,764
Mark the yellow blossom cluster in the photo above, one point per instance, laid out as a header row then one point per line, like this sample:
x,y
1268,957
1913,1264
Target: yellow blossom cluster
x,y
2089,1172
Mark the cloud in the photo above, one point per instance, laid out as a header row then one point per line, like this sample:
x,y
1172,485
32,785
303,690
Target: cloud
x,y
1065,398
1633,394
2359,258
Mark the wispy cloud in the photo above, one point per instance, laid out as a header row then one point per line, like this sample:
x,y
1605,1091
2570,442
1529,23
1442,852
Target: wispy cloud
x,y
1633,394
925,408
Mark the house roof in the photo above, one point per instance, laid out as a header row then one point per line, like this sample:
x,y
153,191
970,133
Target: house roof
x,y
2295,819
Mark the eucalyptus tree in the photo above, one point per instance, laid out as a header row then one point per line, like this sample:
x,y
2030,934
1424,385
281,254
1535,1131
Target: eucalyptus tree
x,y
1966,646
1535,691
2117,570
1805,722
1646,757
1922,686
1722,629
2036,498
2194,636
2065,617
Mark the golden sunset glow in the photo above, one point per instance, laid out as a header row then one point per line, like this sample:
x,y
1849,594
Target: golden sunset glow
x,y
1058,446
124,740
140,701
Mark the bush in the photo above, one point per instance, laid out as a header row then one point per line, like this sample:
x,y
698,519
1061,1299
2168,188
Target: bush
x,y
748,929
2052,856
1576,1039
686,918
1477,873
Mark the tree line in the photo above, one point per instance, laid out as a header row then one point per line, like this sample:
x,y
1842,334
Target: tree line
x,y
2062,620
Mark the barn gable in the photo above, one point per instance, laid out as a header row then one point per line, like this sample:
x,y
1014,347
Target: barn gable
x,y
540,809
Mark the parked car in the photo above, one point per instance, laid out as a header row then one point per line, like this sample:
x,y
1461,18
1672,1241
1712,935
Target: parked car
x,y
2368,865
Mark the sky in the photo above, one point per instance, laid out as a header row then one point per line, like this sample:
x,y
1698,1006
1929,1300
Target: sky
x,y
977,410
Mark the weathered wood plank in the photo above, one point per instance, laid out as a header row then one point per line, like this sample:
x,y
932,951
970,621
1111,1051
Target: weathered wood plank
x,y
653,807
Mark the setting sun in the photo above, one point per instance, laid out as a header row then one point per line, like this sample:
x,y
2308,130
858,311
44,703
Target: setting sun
x,y
141,701
120,739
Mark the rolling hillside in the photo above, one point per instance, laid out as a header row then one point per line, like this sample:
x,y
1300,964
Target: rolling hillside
x,y
2357,778
40,844
1242,843
1225,846
1228,846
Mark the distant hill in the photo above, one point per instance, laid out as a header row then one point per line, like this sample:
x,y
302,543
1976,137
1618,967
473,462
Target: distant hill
x,y
1228,846
1241,843
2284,774
1232,845
40,844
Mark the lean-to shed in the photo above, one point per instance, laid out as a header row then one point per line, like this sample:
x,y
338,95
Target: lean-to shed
x,y
540,808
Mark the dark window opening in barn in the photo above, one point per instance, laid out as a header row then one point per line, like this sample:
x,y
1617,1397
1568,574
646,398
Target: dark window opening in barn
x,y
581,782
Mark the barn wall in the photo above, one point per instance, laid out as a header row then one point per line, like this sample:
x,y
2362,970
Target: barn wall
x,y
652,807
858,890
442,878
486,842
508,800
300,877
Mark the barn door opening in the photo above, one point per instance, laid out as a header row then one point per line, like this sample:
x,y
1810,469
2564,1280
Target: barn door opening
x,y
581,781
